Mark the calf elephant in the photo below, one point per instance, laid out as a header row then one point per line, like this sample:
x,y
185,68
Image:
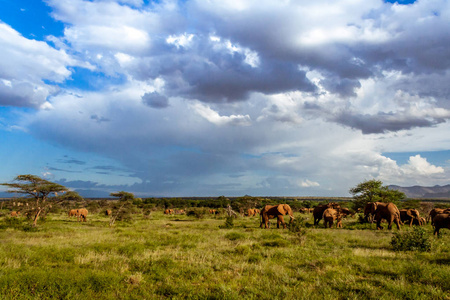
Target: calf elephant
x,y
409,215
82,214
387,211
168,212
108,212
250,212
330,215
318,211
275,211
441,221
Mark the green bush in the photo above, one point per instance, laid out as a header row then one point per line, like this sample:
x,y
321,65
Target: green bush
x,y
228,223
416,240
197,212
297,226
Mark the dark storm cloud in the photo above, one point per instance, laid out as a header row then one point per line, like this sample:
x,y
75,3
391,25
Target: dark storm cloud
x,y
384,122
209,73
155,100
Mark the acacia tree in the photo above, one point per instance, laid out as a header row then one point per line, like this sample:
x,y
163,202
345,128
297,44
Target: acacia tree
x,y
36,188
374,191
126,203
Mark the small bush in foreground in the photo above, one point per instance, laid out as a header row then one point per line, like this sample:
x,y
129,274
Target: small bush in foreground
x,y
416,240
228,223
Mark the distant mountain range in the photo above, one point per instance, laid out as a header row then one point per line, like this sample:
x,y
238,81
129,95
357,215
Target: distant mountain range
x,y
416,191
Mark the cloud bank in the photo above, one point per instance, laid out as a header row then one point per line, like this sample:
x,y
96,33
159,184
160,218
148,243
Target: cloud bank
x,y
240,97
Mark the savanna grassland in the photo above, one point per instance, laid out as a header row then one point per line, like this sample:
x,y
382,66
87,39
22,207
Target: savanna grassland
x,y
178,256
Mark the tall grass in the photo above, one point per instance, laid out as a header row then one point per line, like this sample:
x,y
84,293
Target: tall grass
x,y
187,257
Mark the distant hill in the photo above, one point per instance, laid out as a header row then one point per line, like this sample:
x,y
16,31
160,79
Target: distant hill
x,y
416,191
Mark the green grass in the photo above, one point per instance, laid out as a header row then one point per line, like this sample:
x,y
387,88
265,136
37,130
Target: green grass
x,y
184,257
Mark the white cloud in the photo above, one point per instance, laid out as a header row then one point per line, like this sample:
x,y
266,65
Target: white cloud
x,y
182,40
308,183
24,67
418,165
214,117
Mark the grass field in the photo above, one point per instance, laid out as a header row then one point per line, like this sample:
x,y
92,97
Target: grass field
x,y
183,257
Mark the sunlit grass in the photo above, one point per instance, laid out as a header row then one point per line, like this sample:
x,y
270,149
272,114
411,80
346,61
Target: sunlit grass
x,y
184,257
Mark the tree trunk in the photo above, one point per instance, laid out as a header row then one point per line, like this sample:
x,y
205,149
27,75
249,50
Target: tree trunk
x,y
38,212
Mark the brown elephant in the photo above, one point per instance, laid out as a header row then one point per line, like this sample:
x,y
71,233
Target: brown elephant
x,y
304,210
257,211
82,214
441,221
331,214
108,212
168,211
15,213
421,221
387,211
368,212
251,212
409,215
318,211
434,212
275,211
72,213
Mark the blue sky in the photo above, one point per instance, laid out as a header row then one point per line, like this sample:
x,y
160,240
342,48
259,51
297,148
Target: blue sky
x,y
210,98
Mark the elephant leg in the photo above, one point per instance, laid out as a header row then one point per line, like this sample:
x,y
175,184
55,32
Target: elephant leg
x,y
379,227
280,219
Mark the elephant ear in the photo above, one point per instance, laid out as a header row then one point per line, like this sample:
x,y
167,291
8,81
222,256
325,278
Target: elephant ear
x,y
281,209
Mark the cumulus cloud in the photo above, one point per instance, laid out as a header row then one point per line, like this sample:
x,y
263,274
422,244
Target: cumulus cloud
x,y
26,66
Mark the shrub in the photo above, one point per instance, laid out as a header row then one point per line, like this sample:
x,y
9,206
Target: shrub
x,y
297,226
197,212
416,240
228,223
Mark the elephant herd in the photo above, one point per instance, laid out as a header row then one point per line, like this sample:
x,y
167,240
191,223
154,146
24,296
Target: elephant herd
x,y
330,213
440,218
375,211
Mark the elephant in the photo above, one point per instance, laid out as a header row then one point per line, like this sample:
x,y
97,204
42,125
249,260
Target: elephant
x,y
434,212
257,211
278,211
82,214
15,213
330,215
421,221
368,213
168,211
250,212
108,212
72,213
441,221
387,211
318,211
213,211
409,215
304,210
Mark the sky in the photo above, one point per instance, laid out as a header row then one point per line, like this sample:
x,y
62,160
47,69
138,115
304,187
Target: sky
x,y
219,97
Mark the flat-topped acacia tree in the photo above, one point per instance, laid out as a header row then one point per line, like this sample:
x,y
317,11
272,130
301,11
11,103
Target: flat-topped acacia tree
x,y
37,188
